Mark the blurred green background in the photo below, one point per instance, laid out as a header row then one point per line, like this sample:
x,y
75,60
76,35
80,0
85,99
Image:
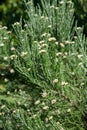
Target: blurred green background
x,y
10,11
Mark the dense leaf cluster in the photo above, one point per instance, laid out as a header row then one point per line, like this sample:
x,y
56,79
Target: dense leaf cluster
x,y
49,53
12,10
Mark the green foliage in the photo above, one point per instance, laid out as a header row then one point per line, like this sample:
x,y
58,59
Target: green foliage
x,y
41,39
50,56
4,49
36,110
12,10
6,54
46,45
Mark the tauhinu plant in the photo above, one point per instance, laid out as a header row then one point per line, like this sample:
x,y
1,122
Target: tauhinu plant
x,y
50,56
49,50
51,53
5,52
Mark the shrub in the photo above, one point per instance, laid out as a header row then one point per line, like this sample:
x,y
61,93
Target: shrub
x,y
46,45
51,54
4,49
12,10
6,54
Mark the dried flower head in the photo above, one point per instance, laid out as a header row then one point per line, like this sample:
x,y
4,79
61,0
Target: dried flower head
x,y
49,26
53,101
12,49
6,80
45,108
55,81
44,34
44,94
50,118
69,110
62,45
42,51
67,42
12,71
1,45
80,56
35,42
29,69
57,112
59,54
4,27
41,41
52,39
56,43
3,106
61,2
13,57
37,102
79,28
5,38
64,83
24,54
5,58
43,45
17,23
52,6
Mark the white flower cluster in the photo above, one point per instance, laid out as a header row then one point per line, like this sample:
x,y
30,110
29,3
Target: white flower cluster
x,y
46,34
43,45
44,18
17,23
12,49
44,94
55,81
2,44
64,83
6,58
42,51
12,57
52,39
24,53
